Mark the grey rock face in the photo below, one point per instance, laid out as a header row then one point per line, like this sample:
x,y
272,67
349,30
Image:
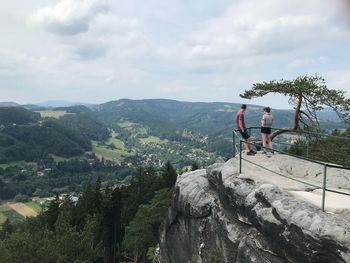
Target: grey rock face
x,y
248,221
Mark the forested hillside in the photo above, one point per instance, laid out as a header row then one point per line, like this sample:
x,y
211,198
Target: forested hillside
x,y
105,225
17,115
35,147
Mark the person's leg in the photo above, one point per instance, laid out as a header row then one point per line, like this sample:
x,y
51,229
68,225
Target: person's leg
x,y
247,145
270,141
264,140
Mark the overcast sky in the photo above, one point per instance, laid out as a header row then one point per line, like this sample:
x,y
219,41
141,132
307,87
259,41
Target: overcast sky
x,y
198,50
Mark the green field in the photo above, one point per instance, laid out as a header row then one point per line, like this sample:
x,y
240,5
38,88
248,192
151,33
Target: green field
x,y
62,159
34,205
152,139
13,216
7,212
18,163
3,217
126,124
5,165
119,144
101,150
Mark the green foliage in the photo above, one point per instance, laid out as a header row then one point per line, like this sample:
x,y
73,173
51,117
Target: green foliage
x,y
327,149
169,175
17,115
194,166
21,198
307,94
52,212
95,227
32,142
151,252
142,232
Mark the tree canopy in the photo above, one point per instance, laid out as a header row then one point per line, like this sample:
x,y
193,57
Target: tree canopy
x,y
307,95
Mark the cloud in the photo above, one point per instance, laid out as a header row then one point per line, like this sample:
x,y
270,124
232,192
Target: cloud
x,y
339,79
70,17
91,51
254,32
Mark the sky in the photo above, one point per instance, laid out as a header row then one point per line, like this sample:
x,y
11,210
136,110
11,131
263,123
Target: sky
x,y
96,51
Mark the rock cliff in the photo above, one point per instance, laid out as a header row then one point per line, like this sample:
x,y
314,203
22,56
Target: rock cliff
x,y
247,220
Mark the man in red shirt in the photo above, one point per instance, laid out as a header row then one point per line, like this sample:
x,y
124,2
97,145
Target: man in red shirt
x,y
243,130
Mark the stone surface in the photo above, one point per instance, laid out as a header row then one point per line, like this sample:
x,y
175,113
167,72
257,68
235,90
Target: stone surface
x,y
250,219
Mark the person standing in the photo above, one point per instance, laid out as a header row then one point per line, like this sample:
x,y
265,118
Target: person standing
x,y
266,124
243,129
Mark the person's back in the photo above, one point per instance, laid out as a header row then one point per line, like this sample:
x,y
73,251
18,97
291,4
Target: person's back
x,y
267,120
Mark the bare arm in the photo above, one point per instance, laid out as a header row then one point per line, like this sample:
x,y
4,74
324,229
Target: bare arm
x,y
262,121
241,125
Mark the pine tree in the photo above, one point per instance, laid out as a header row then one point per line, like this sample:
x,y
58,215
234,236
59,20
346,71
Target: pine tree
x,y
169,175
52,212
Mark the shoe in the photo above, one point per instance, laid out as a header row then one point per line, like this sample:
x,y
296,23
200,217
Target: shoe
x,y
250,153
264,152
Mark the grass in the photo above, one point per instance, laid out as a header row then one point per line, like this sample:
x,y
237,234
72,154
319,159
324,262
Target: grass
x,y
5,165
152,139
101,150
126,124
4,208
58,159
119,144
17,163
34,205
13,216
53,114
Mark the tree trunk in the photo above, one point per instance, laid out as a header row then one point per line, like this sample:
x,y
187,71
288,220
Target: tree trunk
x,y
296,119
297,112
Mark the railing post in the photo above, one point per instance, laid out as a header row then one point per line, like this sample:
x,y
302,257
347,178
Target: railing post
x,y
307,148
234,143
240,156
324,186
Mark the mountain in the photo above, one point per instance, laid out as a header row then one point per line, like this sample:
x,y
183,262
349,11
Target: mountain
x,y
24,135
61,103
9,104
17,115
138,131
167,117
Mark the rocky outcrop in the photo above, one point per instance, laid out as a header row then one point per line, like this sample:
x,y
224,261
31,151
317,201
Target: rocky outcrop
x,y
247,221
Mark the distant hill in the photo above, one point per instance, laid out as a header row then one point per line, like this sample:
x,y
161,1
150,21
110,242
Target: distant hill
x,y
207,126
61,103
24,135
8,104
165,117
17,115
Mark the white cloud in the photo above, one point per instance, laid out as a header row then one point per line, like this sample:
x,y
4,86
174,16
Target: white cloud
x,y
70,17
199,50
262,28
338,79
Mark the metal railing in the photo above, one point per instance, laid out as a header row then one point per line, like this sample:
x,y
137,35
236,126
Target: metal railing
x,y
309,137
325,165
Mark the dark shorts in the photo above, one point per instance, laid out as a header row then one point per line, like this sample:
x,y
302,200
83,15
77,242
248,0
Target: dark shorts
x,y
244,134
266,130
